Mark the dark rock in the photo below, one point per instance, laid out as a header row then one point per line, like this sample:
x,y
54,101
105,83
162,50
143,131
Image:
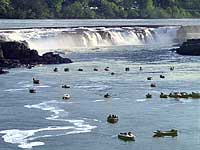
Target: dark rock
x,y
51,58
16,54
190,47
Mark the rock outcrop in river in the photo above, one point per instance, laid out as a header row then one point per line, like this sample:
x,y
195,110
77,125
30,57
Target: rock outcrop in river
x,y
15,54
190,47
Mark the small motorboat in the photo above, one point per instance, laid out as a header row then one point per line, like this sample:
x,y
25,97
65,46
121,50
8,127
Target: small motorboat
x,y
112,73
66,96
95,69
195,95
162,76
127,69
112,119
148,95
65,86
178,95
171,133
149,78
66,70
80,69
171,68
126,136
55,69
153,85
35,81
106,69
32,90
162,95
107,95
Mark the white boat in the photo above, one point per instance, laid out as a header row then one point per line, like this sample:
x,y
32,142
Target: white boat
x,y
126,136
66,96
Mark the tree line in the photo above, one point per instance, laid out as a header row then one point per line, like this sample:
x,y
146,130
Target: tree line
x,y
99,9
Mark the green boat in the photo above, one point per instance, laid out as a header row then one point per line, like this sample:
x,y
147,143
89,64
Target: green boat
x,y
162,95
171,133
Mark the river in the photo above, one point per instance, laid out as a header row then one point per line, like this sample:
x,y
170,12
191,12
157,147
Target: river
x,y
44,120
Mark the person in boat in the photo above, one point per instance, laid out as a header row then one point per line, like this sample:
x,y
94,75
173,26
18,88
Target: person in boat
x,y
55,69
153,85
148,95
66,96
66,69
129,133
36,81
107,95
66,86
106,69
162,95
162,76
95,69
149,78
171,68
127,69
32,91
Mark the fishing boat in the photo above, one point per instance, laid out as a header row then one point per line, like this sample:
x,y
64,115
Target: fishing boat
x,y
126,136
107,95
171,133
65,86
66,96
35,81
32,91
148,96
112,119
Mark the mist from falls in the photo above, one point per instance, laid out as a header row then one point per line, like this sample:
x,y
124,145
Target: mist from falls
x,y
71,39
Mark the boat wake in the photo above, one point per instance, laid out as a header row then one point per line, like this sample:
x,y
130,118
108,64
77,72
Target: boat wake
x,y
27,139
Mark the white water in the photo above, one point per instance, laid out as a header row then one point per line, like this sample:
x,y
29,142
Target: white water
x,y
71,39
24,138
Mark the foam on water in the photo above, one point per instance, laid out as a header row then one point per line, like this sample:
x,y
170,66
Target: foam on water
x,y
14,90
97,87
141,100
39,86
24,138
99,100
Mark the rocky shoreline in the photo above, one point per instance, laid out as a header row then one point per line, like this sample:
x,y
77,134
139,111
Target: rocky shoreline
x,y
17,54
190,47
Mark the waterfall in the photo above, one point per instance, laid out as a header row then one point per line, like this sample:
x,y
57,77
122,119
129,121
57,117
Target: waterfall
x,y
71,38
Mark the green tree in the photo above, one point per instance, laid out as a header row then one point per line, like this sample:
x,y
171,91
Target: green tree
x,y
5,8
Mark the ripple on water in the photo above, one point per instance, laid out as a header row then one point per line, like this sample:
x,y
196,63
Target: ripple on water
x,y
24,138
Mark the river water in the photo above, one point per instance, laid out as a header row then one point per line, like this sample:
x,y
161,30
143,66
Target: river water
x,y
44,121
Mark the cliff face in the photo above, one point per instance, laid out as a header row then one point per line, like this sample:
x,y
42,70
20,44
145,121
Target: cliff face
x,y
15,54
190,47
